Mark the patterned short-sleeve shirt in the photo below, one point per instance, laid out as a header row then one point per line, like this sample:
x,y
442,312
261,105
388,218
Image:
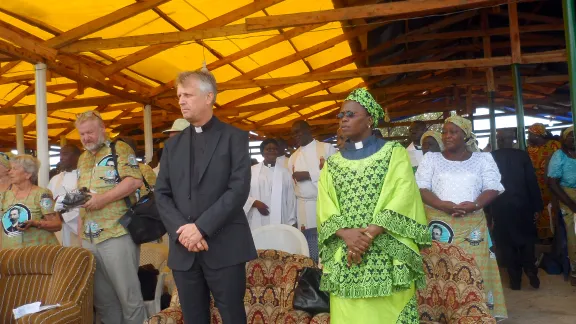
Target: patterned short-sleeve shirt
x,y
15,212
96,172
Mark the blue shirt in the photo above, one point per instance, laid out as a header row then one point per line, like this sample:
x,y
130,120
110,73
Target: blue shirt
x,y
563,167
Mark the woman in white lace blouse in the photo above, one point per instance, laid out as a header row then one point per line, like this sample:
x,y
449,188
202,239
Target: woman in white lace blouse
x,y
455,185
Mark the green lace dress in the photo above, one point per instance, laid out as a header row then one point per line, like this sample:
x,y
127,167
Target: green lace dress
x,y
372,185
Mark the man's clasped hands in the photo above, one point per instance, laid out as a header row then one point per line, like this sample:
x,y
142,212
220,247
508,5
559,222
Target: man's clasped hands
x,y
191,238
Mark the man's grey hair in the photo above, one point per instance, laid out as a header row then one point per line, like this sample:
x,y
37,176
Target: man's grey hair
x,y
206,81
30,164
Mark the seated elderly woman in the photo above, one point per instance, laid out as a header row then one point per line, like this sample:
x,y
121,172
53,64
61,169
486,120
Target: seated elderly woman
x,y
432,142
28,216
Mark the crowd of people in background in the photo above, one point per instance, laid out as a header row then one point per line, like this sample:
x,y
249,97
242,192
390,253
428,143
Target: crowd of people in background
x,y
366,206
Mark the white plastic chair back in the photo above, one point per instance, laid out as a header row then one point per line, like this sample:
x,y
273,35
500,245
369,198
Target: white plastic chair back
x,y
281,237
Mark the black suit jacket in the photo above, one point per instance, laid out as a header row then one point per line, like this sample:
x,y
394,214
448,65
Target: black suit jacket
x,y
214,202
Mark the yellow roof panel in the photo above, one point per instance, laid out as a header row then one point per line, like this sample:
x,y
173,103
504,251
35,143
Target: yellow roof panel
x,y
165,65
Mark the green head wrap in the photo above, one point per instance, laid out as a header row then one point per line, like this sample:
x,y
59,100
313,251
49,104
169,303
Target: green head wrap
x,y
365,99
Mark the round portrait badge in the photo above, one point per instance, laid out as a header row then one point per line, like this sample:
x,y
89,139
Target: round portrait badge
x,y
441,231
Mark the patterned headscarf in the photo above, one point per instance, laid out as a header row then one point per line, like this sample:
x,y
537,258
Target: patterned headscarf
x,y
365,99
538,129
466,126
5,159
436,135
567,131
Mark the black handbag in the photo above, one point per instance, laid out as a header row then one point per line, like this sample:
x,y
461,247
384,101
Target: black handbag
x,y
307,295
141,220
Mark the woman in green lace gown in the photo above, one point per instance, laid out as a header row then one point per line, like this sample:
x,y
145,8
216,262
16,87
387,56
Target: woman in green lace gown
x,y
371,223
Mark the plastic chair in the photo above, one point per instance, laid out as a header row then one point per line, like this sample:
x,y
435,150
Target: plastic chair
x,y
280,237
152,253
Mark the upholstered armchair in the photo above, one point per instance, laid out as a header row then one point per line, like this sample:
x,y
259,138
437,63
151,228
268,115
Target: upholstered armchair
x,y
270,282
49,274
454,293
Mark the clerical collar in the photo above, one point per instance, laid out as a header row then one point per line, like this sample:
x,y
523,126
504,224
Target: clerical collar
x,y
271,165
353,146
206,126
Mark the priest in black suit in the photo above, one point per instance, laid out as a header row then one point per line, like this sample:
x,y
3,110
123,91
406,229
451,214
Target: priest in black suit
x,y
200,193
513,212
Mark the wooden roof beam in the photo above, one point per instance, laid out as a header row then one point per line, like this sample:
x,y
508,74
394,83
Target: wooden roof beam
x,y
108,20
548,57
17,98
220,21
395,10
99,44
243,53
16,36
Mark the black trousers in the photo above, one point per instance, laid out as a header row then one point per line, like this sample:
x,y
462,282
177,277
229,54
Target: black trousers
x,y
227,285
519,258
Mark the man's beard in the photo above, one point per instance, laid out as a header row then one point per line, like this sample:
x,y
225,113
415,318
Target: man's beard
x,y
97,145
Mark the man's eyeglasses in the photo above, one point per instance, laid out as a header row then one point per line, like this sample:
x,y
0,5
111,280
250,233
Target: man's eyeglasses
x,y
88,114
348,114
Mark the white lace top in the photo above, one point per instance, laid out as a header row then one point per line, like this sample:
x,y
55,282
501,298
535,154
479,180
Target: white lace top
x,y
458,181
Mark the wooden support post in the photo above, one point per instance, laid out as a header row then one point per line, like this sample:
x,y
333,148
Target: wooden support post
x,y
492,120
570,34
19,135
519,106
42,146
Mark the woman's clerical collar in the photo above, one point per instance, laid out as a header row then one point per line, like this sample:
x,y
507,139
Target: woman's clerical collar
x,y
352,146
206,126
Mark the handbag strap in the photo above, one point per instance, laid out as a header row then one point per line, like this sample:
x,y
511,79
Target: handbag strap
x,y
115,159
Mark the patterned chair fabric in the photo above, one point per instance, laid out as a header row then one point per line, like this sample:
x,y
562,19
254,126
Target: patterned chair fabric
x,y
454,288
454,292
50,274
270,282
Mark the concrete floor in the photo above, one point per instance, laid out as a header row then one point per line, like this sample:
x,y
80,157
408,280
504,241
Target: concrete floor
x,y
554,302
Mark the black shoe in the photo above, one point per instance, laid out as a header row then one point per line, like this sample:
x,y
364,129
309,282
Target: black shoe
x,y
534,281
515,285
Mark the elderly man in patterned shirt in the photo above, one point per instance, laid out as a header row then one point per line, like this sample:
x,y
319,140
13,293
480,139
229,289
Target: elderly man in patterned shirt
x,y
117,294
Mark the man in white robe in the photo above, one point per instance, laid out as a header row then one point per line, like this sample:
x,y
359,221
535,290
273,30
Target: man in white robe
x,y
283,155
416,130
271,200
305,164
61,184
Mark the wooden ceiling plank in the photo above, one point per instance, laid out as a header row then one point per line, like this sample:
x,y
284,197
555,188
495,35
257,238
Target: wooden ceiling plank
x,y
8,66
531,17
350,59
476,33
274,65
100,23
396,10
76,103
220,21
514,32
